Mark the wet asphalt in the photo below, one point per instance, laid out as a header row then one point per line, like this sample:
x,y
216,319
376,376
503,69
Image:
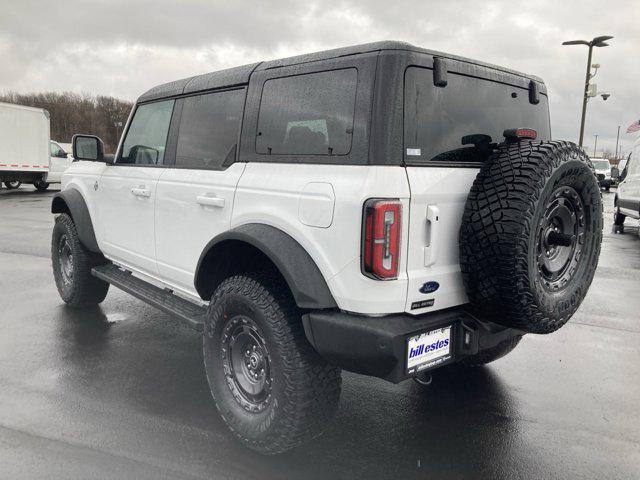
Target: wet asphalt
x,y
119,392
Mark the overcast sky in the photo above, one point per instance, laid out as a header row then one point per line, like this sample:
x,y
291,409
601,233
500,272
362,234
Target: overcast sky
x,y
124,47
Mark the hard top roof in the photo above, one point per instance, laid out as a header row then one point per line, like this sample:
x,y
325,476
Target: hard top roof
x,y
240,75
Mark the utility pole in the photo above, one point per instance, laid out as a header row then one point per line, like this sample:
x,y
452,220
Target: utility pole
x,y
596,42
595,145
617,140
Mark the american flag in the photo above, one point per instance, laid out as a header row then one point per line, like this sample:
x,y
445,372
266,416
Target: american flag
x,y
634,127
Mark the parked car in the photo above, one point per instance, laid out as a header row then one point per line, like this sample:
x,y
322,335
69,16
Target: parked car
x,y
24,146
627,199
603,172
60,161
383,209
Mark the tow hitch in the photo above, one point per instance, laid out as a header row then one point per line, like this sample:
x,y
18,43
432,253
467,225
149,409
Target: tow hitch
x,y
423,379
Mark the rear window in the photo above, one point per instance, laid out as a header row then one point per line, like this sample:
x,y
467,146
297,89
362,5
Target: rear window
x,y
308,114
437,118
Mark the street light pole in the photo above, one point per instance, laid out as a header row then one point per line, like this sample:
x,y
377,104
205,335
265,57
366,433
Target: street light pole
x,y
595,145
617,140
585,98
596,42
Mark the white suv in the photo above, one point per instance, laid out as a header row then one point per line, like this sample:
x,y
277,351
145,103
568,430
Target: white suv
x,y
383,209
627,199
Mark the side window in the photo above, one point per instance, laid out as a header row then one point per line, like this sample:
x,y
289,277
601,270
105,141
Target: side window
x,y
147,135
209,129
309,114
55,150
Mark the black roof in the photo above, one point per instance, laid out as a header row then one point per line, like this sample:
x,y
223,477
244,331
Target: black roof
x,y
240,75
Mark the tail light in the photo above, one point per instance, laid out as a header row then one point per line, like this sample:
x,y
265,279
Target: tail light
x,y
381,238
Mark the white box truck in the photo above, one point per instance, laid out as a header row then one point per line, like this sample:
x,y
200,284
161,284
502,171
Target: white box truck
x,y
24,146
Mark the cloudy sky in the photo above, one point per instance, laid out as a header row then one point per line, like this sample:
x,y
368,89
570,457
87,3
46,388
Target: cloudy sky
x,y
123,47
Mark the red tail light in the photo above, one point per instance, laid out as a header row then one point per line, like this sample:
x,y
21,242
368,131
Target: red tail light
x,y
381,238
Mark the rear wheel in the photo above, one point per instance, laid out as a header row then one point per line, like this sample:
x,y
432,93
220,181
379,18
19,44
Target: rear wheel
x,y
12,185
271,388
530,236
72,264
41,186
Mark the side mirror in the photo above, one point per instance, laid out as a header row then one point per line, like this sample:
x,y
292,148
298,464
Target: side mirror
x,y
88,147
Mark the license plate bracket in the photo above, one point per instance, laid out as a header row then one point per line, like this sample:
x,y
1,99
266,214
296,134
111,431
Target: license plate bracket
x,y
429,349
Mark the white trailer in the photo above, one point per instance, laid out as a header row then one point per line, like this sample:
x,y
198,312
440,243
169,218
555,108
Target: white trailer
x,y
24,145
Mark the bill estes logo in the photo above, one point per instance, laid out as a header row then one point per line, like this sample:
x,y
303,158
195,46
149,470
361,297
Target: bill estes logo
x,y
420,349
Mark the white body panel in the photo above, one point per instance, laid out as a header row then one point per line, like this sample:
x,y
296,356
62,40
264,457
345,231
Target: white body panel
x,y
281,195
157,221
438,196
192,207
628,192
126,212
24,139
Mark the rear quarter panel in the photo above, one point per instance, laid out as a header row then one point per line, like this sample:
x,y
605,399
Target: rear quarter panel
x,y
280,195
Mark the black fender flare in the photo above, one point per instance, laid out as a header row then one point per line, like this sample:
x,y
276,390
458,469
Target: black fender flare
x,y
301,273
71,201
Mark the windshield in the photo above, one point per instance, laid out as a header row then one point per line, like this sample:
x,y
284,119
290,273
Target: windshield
x,y
601,164
457,123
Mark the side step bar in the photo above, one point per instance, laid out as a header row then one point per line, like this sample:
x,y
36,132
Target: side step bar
x,y
189,312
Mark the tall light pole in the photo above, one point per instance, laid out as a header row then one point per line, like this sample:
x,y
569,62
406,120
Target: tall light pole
x,y
617,140
596,42
595,145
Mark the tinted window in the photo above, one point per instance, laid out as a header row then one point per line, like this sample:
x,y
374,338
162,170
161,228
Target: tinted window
x,y
147,136
436,119
209,129
308,114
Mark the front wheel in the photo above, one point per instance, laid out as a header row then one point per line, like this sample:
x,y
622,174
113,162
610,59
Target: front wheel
x,y
72,264
41,186
12,185
271,388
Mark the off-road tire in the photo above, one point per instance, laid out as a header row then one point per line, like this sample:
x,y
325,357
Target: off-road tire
x,y
618,218
505,223
491,354
305,389
41,186
12,185
80,289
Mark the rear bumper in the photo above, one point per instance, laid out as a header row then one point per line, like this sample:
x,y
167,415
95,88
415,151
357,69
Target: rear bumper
x,y
377,346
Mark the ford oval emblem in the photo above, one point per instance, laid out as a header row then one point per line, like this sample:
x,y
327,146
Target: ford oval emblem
x,y
429,287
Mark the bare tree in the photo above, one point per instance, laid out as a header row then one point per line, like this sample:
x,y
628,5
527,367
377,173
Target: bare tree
x,y
73,113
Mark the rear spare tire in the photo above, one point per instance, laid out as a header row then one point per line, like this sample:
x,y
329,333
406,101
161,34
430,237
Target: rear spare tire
x,y
530,235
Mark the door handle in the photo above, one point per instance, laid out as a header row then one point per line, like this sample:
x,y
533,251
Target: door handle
x,y
141,191
210,201
431,249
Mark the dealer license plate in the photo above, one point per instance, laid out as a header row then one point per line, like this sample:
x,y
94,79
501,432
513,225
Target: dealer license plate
x,y
428,349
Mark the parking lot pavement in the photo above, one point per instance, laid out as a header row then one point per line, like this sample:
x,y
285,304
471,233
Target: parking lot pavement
x,y
120,392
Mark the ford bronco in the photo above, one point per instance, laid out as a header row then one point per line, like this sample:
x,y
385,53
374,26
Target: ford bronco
x,y
382,209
